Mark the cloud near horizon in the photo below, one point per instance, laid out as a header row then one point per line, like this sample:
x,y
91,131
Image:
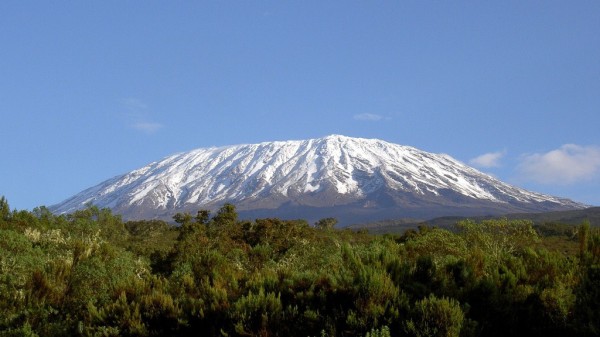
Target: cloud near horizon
x,y
487,160
566,165
368,117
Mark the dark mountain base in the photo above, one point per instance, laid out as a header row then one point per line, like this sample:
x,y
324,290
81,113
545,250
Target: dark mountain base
x,y
570,217
363,212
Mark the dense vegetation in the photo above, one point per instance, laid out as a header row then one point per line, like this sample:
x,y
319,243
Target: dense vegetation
x,y
91,274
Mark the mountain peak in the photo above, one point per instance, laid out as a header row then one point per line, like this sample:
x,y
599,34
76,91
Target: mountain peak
x,y
332,176
339,138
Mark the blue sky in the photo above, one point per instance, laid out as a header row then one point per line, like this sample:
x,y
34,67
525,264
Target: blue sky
x,y
90,90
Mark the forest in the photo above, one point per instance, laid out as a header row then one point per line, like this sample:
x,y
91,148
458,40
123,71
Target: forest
x,y
90,273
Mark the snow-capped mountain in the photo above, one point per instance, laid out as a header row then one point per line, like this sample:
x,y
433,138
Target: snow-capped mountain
x,y
353,179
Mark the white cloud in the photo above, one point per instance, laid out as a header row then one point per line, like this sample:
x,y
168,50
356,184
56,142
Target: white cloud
x,y
566,165
137,114
488,160
135,104
147,127
368,117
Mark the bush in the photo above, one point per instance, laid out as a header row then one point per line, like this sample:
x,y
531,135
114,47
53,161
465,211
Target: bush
x,y
435,317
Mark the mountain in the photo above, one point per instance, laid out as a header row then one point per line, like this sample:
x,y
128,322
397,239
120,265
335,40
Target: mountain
x,y
352,179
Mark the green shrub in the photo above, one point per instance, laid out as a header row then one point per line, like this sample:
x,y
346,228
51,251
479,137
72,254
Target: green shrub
x,y
435,317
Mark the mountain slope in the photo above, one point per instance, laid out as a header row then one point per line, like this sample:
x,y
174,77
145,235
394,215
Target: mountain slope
x,y
353,178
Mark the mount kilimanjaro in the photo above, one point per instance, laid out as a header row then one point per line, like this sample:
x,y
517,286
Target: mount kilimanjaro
x,y
353,179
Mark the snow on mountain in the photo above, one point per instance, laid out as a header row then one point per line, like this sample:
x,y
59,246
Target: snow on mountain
x,y
352,174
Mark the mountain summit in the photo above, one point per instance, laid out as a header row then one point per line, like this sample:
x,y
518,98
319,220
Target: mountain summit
x,y
353,179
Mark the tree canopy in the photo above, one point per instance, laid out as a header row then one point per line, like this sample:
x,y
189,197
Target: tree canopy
x,y
91,274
